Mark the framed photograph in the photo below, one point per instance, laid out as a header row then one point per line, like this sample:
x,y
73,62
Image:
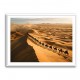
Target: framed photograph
x,y
40,40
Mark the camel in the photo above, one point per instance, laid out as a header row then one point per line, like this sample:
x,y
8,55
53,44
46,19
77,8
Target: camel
x,y
42,43
46,45
55,48
50,47
60,50
66,52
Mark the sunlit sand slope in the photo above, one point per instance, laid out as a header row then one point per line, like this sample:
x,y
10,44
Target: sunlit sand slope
x,y
45,55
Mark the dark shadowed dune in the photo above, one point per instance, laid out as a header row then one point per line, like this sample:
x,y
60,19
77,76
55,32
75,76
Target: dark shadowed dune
x,y
21,51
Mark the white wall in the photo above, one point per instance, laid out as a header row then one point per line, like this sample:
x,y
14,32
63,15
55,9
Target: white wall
x,y
39,6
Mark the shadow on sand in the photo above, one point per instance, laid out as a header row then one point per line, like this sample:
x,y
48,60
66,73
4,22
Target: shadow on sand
x,y
22,52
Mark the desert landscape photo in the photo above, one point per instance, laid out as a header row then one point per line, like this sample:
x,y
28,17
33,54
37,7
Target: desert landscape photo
x,y
41,40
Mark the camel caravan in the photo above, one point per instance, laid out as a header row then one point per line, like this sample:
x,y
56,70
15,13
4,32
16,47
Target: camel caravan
x,y
60,51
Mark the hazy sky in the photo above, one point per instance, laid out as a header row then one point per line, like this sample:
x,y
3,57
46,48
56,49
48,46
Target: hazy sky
x,y
40,20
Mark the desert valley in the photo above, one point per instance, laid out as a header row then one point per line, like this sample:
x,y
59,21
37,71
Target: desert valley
x,y
44,42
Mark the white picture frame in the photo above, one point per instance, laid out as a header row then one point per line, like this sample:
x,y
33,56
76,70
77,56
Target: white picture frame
x,y
8,21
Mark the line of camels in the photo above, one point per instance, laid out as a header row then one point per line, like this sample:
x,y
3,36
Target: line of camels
x,y
60,51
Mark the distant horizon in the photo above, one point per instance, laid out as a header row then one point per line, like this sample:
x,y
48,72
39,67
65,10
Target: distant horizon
x,y
41,20
41,23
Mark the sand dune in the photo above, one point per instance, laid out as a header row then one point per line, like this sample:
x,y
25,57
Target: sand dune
x,y
45,55
25,50
22,52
